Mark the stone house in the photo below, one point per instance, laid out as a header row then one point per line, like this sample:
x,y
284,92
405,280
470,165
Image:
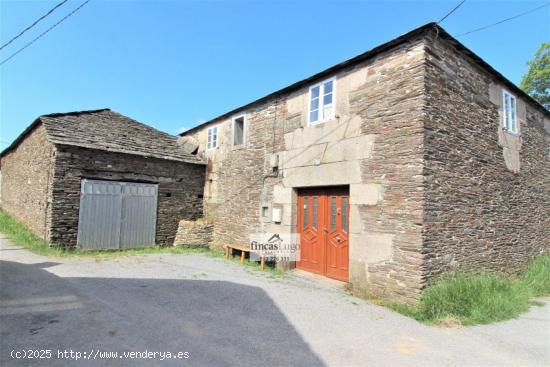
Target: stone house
x,y
98,179
412,159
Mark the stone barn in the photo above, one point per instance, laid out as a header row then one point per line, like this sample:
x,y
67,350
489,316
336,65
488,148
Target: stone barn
x,y
98,179
407,161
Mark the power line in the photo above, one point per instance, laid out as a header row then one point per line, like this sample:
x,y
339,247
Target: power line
x,y
35,23
504,20
451,12
43,33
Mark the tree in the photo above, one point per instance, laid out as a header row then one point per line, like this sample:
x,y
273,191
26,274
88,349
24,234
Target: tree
x,y
536,82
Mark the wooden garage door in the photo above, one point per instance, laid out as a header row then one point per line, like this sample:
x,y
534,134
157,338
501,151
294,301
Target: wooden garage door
x,y
323,224
115,214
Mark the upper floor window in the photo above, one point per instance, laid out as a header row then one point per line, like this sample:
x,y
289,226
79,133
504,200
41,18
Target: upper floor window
x,y
212,137
321,102
510,116
238,131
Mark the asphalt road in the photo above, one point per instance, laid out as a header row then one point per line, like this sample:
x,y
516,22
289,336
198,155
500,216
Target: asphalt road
x,y
217,313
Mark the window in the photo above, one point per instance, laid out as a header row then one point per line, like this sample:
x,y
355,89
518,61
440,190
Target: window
x,y
212,139
265,211
321,102
314,218
238,131
333,211
306,215
345,214
510,116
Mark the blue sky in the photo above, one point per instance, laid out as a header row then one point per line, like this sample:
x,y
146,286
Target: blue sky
x,y
173,64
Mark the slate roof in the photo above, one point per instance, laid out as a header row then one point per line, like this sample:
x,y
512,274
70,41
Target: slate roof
x,y
109,131
407,37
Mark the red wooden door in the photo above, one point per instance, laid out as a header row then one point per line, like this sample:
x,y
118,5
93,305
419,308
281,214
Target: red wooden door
x,y
323,217
311,227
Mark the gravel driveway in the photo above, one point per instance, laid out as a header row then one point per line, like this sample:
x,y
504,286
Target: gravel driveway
x,y
222,314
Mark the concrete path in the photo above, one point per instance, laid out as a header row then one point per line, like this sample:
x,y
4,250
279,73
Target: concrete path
x,y
223,314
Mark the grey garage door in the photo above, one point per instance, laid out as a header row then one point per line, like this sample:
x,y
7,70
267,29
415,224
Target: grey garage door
x,y
115,214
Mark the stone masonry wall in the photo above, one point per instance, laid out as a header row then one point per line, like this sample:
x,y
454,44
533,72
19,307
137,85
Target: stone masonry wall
x,y
194,233
486,192
180,188
373,145
390,105
26,182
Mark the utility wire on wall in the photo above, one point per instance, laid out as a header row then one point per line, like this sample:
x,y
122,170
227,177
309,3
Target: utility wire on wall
x,y
32,25
504,20
43,33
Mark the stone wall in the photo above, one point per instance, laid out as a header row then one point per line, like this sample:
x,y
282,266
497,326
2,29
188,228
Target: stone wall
x,y
486,191
180,188
26,182
373,146
194,233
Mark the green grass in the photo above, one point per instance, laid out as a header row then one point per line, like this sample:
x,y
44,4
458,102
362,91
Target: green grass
x,y
19,234
480,298
272,271
537,276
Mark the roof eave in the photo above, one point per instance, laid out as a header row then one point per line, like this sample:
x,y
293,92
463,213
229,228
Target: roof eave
x,y
369,54
21,136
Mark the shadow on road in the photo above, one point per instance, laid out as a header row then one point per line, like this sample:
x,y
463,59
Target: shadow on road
x,y
219,323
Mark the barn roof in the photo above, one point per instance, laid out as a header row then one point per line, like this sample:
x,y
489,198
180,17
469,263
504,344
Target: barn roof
x,y
110,131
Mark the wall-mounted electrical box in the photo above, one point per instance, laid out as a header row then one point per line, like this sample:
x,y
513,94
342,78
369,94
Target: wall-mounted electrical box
x,y
274,160
276,215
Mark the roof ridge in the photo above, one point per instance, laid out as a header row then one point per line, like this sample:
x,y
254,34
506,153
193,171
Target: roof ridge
x,y
72,113
421,31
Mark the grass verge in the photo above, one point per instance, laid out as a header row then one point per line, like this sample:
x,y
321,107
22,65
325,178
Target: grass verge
x,y
19,234
269,269
480,298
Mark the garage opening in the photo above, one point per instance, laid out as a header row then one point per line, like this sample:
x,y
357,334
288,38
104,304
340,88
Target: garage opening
x,y
116,214
323,224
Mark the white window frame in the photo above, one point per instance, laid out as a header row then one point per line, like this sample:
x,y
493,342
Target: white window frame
x,y
322,118
211,128
245,128
510,114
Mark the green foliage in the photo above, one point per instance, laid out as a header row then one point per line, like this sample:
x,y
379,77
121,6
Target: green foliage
x,y
474,299
19,234
480,298
537,276
536,82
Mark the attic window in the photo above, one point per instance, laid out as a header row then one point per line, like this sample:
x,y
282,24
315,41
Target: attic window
x,y
238,131
212,138
321,102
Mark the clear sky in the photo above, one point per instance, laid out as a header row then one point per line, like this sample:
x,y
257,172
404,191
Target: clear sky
x,y
173,64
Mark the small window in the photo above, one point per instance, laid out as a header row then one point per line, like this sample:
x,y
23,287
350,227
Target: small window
x,y
265,211
510,115
333,211
321,102
306,214
314,218
345,214
212,139
238,131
